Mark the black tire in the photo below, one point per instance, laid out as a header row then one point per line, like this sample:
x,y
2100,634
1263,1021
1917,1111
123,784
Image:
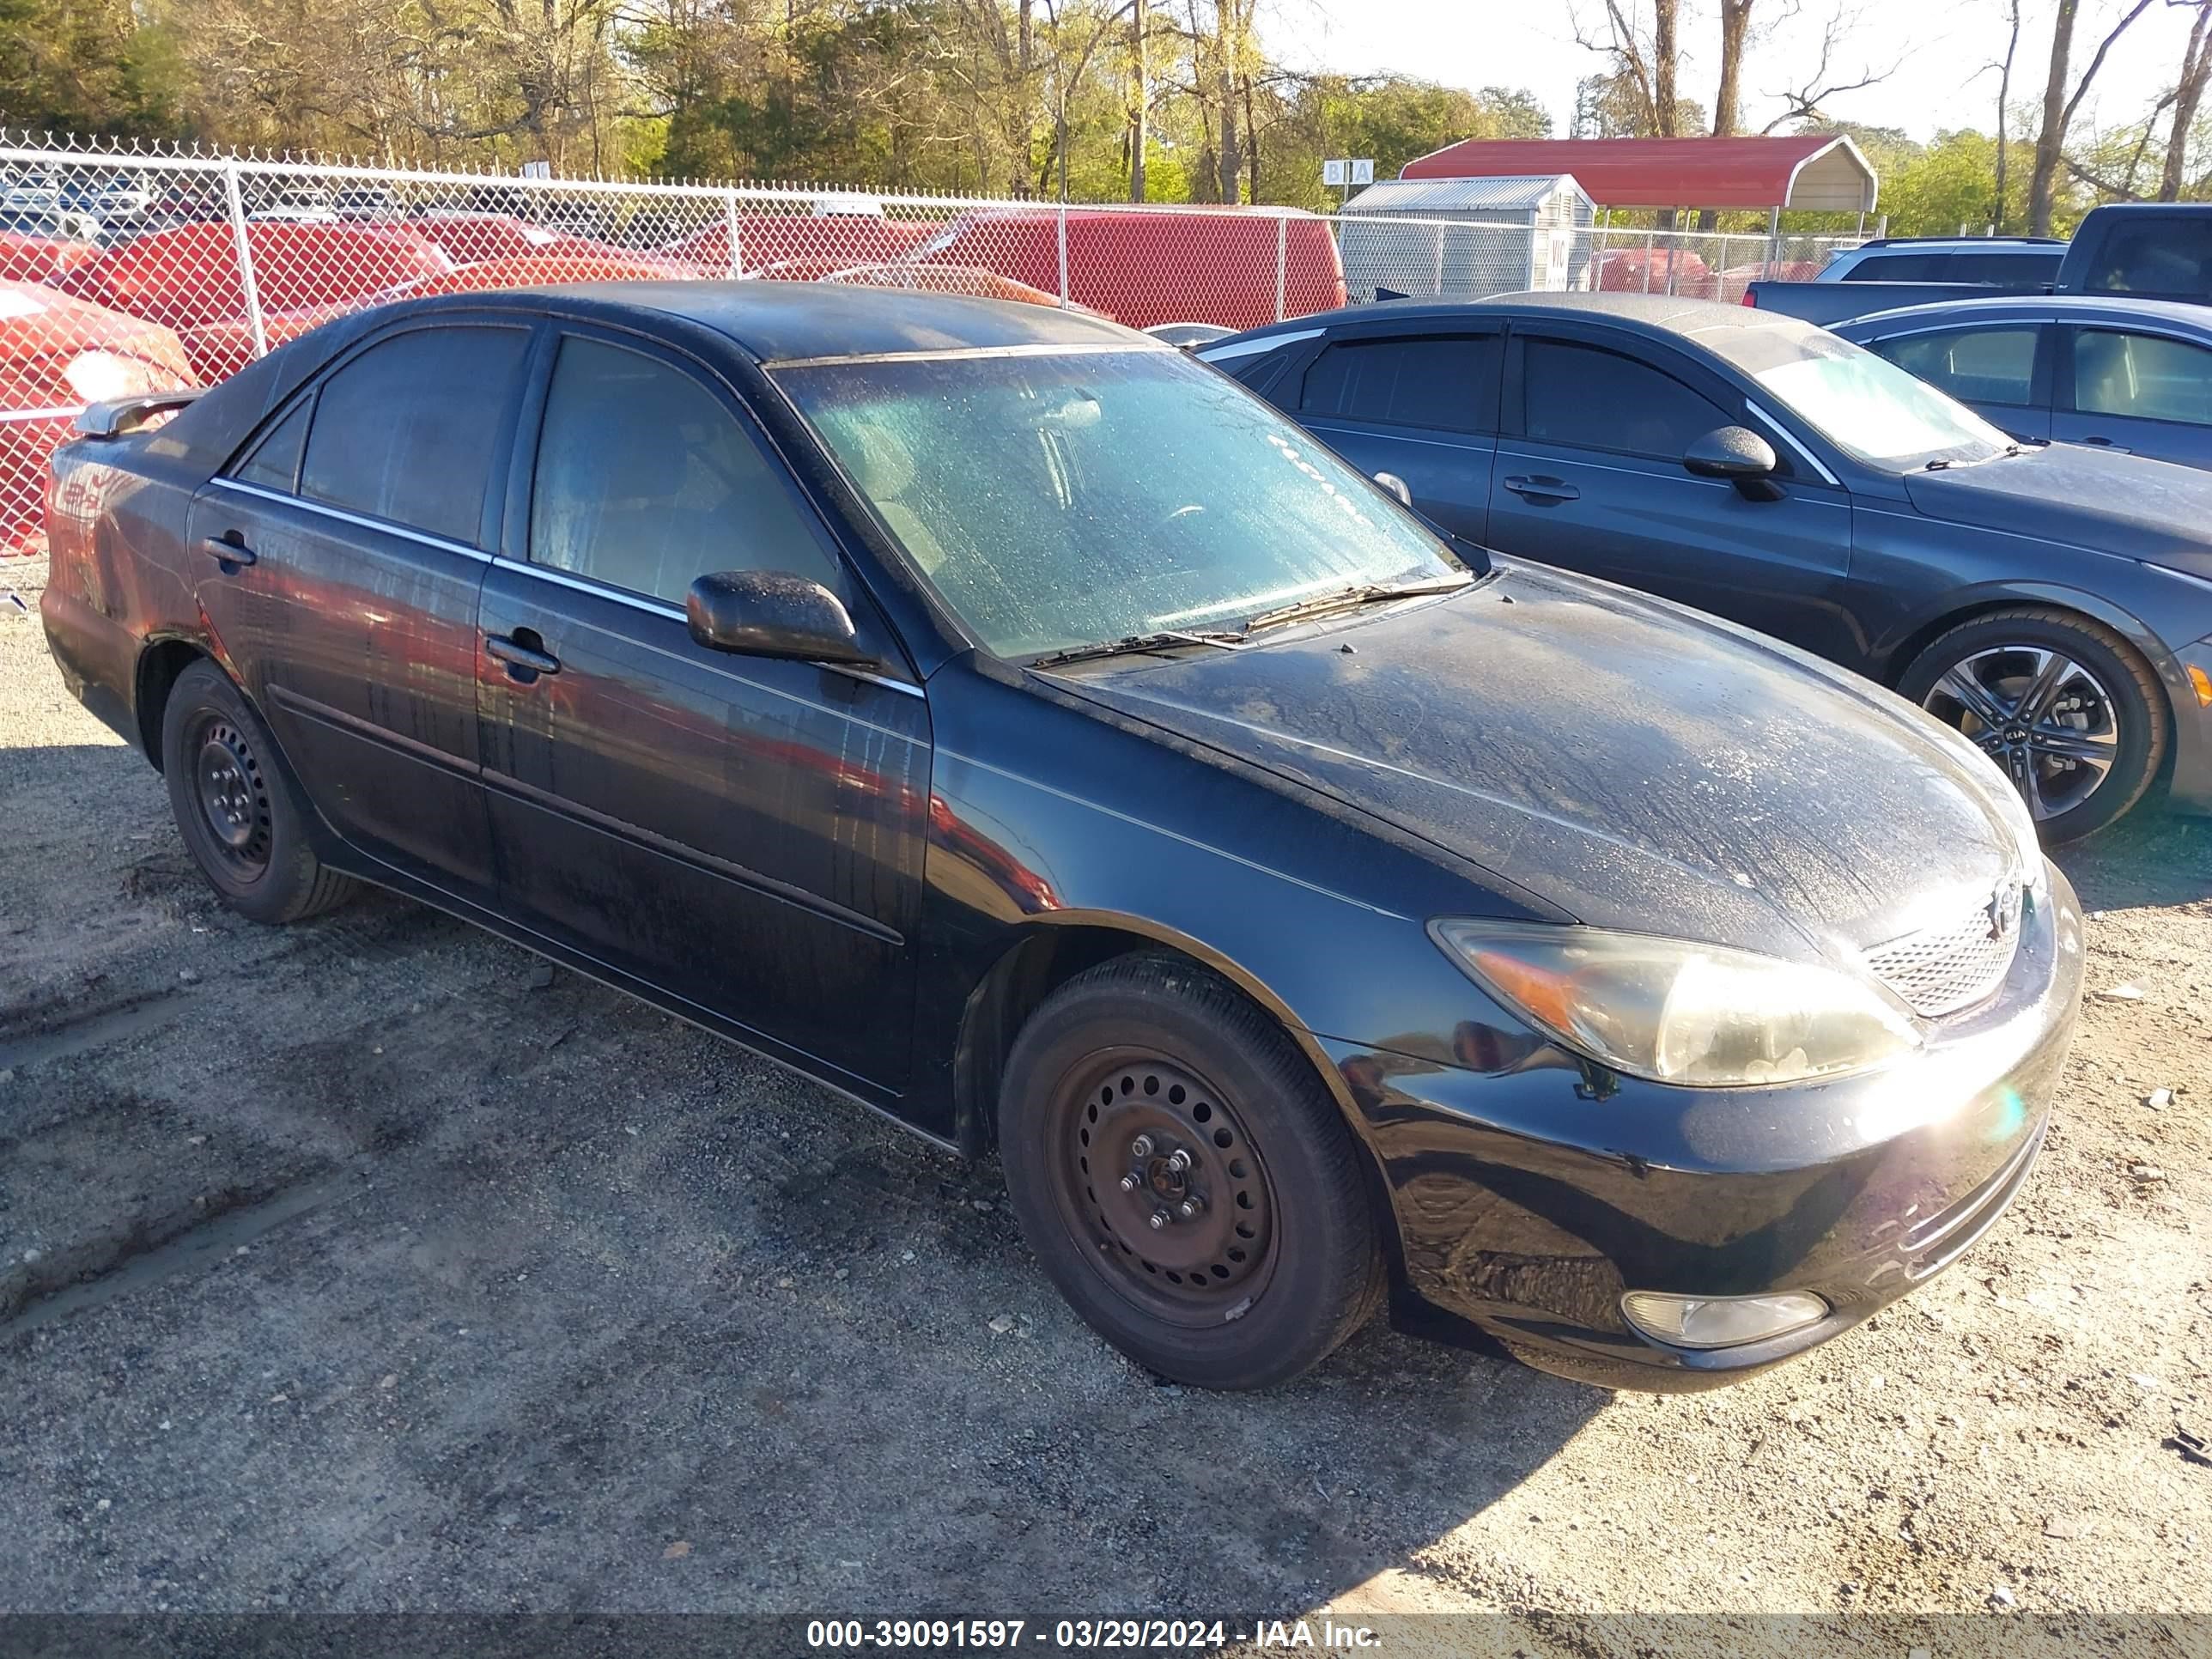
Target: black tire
x,y
1281,1260
235,805
2118,697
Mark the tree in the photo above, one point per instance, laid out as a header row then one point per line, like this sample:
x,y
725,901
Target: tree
x,y
2059,106
2188,93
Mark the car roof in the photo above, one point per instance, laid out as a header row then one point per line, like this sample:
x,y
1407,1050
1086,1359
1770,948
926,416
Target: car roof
x,y
782,322
2050,245
2176,314
1651,315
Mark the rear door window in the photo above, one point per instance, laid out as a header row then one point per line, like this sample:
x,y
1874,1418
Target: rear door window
x,y
1599,399
1900,268
1445,381
2145,377
406,430
2005,268
1974,365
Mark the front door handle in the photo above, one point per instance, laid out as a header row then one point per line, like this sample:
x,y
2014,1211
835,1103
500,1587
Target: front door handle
x,y
525,661
1543,490
230,550
2107,443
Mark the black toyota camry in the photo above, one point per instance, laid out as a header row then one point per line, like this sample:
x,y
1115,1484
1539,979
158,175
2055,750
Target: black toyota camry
x,y
1026,732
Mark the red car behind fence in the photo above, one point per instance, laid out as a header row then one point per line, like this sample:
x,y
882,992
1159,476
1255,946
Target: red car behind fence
x,y
170,308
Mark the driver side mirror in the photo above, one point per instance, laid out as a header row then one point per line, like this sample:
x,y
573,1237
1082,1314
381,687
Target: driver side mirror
x,y
1396,486
771,613
1738,455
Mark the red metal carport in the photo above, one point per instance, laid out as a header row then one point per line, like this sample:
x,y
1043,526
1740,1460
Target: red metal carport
x,y
1816,171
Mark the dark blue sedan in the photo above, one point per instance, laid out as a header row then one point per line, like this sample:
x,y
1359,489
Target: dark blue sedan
x,y
2054,602
2112,373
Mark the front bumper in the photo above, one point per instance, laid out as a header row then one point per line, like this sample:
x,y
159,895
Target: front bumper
x,y
2191,787
1529,1199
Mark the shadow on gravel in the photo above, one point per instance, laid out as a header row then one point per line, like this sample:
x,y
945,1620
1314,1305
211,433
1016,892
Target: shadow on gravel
x,y
2150,858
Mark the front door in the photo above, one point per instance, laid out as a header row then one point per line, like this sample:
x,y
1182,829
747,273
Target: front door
x,y
1589,476
2146,393
742,833
337,563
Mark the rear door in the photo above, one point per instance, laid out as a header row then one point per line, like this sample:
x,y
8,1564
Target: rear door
x,y
2132,390
1421,405
337,561
2001,370
745,834
1589,476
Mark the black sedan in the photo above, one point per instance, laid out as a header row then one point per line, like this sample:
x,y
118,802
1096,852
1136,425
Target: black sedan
x,y
2053,603
1017,726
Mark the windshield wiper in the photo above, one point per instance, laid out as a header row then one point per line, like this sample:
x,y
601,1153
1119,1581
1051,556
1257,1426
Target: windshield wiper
x,y
1160,639
1350,599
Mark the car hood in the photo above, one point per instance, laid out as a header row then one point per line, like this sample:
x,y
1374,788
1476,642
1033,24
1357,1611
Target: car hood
x,y
1640,765
2128,505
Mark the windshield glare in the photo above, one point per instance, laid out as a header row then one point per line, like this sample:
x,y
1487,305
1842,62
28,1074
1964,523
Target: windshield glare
x,y
1074,498
1871,408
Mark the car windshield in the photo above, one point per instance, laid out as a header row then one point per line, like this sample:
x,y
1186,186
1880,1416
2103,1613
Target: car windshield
x,y
1866,406
1070,498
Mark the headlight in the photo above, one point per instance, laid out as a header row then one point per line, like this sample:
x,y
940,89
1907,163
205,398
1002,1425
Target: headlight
x,y
1702,1016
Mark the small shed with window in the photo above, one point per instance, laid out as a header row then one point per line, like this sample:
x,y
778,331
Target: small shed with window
x,y
1465,239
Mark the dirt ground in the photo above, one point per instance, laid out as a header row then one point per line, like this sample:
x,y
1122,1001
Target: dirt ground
x,y
341,1268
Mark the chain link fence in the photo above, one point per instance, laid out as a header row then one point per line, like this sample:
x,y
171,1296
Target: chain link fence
x,y
128,271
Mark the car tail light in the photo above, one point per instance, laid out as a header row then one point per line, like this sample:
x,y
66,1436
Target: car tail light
x,y
1750,299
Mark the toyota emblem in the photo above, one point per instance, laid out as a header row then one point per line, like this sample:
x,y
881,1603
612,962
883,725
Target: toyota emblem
x,y
2003,910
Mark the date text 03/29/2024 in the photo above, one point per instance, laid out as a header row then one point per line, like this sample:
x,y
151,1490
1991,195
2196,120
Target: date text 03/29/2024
x,y
1105,1635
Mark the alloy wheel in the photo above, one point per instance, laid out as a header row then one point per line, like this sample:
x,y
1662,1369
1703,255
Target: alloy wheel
x,y
2038,712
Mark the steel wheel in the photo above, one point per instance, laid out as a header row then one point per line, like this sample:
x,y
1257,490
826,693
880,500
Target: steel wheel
x,y
1156,1170
233,796
2043,716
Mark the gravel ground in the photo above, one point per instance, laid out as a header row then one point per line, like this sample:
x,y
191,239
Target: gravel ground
x,y
341,1268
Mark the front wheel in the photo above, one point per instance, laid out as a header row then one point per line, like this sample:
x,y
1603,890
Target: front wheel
x,y
2068,709
1184,1178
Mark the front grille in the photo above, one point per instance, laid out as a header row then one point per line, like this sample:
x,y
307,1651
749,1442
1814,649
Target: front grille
x,y
1949,966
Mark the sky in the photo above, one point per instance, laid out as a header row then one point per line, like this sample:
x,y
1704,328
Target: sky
x,y
1935,47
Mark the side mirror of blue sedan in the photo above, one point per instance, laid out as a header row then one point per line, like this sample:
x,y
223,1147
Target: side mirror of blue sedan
x,y
1738,455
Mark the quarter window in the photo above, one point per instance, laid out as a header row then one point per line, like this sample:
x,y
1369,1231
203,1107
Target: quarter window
x,y
1976,366
1449,382
406,430
274,463
1578,394
644,481
2145,376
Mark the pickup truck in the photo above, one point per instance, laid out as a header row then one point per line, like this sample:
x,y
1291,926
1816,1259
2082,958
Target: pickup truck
x,y
2148,250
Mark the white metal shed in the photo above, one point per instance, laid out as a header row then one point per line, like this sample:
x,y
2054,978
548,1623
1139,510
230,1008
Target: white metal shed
x,y
1461,239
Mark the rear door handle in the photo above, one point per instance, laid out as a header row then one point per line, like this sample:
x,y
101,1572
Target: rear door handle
x,y
230,550
2107,443
1543,490
524,662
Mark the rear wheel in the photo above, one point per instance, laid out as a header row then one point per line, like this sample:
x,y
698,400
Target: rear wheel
x,y
1184,1178
2064,704
233,805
